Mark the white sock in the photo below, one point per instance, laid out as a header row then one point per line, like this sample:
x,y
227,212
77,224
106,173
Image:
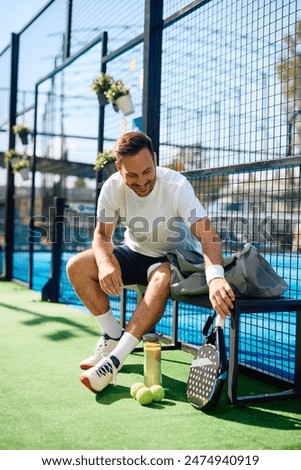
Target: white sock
x,y
109,324
125,346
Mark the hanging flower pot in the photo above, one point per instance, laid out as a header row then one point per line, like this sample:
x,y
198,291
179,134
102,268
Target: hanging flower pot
x,y
24,139
102,100
119,96
125,105
24,172
22,166
108,170
22,131
105,162
12,156
103,159
100,86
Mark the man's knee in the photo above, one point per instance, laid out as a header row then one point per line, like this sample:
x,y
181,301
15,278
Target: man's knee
x,y
81,264
73,265
160,278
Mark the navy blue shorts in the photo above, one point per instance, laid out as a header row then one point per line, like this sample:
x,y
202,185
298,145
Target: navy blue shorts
x,y
134,266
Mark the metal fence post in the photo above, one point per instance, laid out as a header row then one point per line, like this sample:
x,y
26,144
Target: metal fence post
x,y
101,117
67,39
51,290
10,186
152,69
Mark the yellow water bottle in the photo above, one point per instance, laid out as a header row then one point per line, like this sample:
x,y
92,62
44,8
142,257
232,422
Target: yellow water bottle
x,y
152,363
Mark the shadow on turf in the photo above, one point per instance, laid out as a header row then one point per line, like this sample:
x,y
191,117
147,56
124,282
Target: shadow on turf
x,y
279,414
270,416
39,319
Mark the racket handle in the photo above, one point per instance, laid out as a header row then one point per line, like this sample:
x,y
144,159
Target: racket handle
x,y
220,321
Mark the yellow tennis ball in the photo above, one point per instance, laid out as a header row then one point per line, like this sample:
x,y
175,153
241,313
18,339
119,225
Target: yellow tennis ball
x,y
135,387
158,392
144,396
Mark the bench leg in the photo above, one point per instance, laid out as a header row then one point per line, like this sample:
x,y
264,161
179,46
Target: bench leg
x,y
123,300
297,378
233,357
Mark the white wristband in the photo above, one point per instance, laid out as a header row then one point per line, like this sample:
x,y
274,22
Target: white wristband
x,y
214,271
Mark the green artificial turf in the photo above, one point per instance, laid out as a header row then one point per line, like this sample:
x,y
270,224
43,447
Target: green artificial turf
x,y
44,406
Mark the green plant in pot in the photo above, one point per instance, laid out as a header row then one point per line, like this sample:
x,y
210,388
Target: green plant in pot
x,y
12,156
119,95
22,167
100,86
22,130
105,161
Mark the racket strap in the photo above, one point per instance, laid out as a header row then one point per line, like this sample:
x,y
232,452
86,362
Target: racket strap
x,y
209,324
221,346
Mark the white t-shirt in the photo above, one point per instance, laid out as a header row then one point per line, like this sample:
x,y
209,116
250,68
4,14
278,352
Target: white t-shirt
x,y
157,223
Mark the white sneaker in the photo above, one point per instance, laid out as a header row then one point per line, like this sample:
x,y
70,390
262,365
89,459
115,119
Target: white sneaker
x,y
104,347
99,376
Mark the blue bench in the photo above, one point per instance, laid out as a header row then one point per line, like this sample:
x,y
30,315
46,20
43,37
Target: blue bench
x,y
242,306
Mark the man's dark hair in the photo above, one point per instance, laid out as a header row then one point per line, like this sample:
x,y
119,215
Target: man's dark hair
x,y
131,143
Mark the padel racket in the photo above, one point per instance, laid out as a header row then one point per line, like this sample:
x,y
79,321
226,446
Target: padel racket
x,y
208,370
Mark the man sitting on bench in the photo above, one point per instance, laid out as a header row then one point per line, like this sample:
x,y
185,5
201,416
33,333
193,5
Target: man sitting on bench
x,y
161,213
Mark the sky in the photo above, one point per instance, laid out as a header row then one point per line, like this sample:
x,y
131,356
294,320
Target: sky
x,y
14,15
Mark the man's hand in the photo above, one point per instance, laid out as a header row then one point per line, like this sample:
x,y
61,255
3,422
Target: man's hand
x,y
110,279
221,296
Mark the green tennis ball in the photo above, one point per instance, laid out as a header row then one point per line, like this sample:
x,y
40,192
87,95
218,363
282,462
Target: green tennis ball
x,y
158,392
144,396
135,387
